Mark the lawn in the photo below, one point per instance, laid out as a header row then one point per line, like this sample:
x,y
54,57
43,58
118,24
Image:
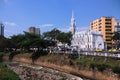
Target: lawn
x,y
6,73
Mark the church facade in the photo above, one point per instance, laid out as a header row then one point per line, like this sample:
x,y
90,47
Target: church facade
x,y
87,40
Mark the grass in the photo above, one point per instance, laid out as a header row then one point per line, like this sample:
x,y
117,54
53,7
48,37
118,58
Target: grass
x,y
99,60
7,74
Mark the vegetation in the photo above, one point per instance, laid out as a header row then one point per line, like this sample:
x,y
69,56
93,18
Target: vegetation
x,y
116,39
1,57
25,41
99,63
57,35
7,74
116,69
36,44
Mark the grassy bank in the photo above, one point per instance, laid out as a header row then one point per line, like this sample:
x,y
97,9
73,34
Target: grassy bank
x,y
7,74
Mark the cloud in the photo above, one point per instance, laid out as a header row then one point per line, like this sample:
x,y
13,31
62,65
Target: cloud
x,y
64,29
8,33
46,25
10,24
82,28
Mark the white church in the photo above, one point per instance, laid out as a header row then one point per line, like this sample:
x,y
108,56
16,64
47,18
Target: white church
x,y
87,40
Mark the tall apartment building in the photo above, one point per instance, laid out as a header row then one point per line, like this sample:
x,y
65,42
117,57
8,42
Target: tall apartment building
x,y
107,26
34,30
1,29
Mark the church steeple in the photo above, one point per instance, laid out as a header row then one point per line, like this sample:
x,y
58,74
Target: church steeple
x,y
73,24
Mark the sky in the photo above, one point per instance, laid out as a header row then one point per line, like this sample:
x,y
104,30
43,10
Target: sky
x,y
19,15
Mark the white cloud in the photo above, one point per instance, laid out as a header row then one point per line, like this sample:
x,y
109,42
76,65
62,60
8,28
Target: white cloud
x,y
10,24
8,33
64,29
82,28
46,25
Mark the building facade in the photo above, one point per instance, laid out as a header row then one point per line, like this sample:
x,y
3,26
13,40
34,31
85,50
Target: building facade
x,y
73,24
1,29
107,26
117,25
88,40
34,30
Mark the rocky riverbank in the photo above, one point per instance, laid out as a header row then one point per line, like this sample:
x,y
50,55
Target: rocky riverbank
x,y
34,72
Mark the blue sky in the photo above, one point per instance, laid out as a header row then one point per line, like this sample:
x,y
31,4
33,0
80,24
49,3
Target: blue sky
x,y
19,15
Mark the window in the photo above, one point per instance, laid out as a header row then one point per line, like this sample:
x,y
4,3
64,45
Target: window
x,y
108,26
107,22
107,29
108,19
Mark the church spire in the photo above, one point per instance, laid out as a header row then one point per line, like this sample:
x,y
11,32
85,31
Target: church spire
x,y
72,14
73,24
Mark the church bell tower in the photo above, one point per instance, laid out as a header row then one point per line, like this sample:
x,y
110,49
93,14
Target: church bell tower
x,y
73,24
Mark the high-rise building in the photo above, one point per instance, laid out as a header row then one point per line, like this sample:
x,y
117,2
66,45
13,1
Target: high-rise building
x,y
117,25
107,26
1,29
73,24
34,30
37,31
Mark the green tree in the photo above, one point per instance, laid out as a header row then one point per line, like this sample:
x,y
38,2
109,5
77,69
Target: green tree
x,y
5,43
65,37
17,40
51,35
116,39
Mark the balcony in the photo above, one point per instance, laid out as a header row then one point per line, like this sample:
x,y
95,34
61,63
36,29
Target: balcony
x,y
109,32
108,24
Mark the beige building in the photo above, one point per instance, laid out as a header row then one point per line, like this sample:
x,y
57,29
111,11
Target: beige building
x,y
107,26
34,30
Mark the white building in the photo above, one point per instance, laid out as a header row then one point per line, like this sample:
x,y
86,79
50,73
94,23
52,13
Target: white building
x,y
88,40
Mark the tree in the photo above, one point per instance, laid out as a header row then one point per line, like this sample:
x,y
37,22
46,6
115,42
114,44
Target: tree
x,y
116,39
51,35
27,40
17,40
65,37
5,43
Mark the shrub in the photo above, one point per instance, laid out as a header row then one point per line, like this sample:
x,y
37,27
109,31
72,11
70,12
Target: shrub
x,y
116,69
93,65
101,67
1,57
71,62
13,53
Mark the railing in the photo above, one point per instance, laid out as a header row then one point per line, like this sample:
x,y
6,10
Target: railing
x,y
90,53
102,54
